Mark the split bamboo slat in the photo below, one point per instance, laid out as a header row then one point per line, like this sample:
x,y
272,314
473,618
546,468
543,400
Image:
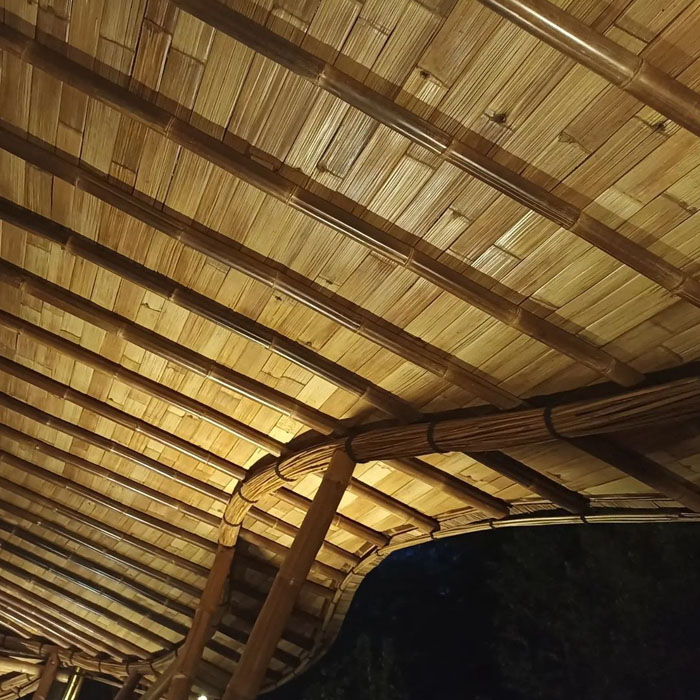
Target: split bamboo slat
x,y
245,247
173,352
317,208
420,131
615,63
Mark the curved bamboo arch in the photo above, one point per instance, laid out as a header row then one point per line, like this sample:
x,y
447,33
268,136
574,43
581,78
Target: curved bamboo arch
x,y
636,409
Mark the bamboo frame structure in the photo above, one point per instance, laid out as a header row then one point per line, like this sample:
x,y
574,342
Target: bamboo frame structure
x,y
235,248
439,274
420,131
615,63
250,672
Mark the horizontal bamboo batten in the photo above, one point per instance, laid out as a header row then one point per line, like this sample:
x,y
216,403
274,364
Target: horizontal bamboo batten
x,y
159,345
650,406
615,63
176,504
75,625
130,604
151,521
194,407
422,132
333,307
34,582
439,274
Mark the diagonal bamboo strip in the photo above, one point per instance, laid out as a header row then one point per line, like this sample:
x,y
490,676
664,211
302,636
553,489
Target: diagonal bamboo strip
x,y
158,283
422,132
115,477
640,409
111,643
129,603
89,606
162,525
615,63
112,322
117,535
439,274
360,489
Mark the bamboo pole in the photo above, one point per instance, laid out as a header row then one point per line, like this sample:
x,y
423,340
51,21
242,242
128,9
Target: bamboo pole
x,y
164,526
250,671
190,405
116,477
10,665
618,65
48,676
439,274
201,629
112,322
422,132
74,684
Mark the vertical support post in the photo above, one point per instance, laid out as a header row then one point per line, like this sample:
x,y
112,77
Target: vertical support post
x,y
75,682
48,676
185,665
267,630
126,692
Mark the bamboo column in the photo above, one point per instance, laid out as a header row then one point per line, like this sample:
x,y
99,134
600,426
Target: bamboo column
x,y
48,676
250,672
191,651
588,47
126,692
74,684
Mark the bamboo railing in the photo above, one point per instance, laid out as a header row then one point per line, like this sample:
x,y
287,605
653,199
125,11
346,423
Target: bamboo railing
x,y
626,70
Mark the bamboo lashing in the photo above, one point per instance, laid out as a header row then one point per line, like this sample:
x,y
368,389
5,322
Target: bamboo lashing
x,y
250,672
650,406
422,132
615,63
439,274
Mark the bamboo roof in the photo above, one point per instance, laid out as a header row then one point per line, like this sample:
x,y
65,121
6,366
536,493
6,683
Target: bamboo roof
x,y
219,251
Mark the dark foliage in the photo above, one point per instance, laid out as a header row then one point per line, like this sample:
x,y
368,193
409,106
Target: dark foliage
x,y
529,614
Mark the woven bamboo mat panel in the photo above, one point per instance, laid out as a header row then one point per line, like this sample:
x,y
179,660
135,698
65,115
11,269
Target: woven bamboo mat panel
x,y
466,70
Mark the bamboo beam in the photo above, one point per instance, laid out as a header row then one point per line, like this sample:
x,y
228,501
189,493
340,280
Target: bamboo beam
x,y
439,274
201,629
422,132
250,671
134,606
161,525
116,477
48,676
55,620
192,406
232,380
618,65
10,665
117,535
127,646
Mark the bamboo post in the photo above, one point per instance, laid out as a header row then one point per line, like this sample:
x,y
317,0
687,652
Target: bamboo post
x,y
127,691
201,630
266,633
615,63
74,684
48,676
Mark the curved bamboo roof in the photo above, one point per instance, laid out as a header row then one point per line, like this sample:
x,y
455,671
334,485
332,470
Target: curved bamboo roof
x,y
441,236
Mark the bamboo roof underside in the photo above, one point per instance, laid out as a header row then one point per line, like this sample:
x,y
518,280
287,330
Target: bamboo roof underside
x,y
209,261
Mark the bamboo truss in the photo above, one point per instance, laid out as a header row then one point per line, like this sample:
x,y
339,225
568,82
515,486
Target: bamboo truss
x,y
423,243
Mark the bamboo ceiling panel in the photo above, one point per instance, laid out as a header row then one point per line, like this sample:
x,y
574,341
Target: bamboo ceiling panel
x,y
209,261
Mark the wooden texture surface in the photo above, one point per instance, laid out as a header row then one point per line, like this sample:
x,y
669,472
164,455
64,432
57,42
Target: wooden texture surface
x,y
219,250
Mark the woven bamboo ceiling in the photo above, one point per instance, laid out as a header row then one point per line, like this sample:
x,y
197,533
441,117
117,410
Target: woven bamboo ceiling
x,y
220,249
